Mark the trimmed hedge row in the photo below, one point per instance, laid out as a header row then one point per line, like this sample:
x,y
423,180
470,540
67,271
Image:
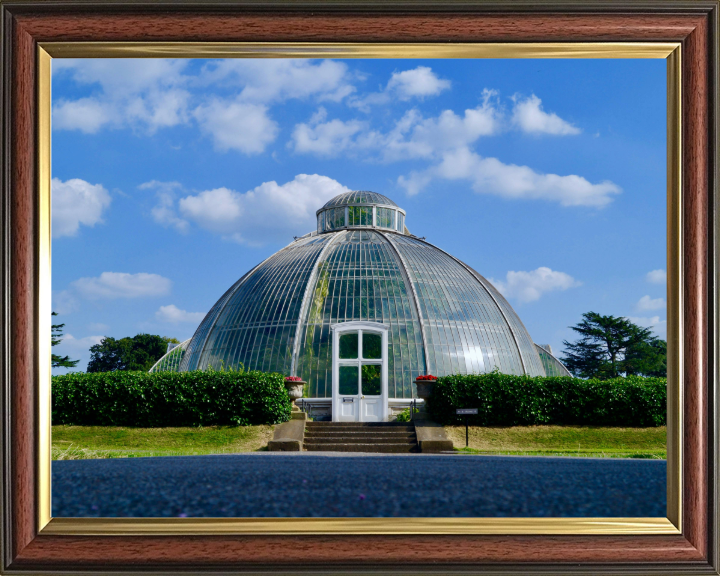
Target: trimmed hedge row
x,y
505,400
160,399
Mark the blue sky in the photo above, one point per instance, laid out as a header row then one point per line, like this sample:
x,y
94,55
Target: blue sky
x,y
171,178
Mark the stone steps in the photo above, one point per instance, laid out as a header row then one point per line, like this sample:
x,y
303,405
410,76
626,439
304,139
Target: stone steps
x,y
351,447
358,440
356,425
348,430
379,437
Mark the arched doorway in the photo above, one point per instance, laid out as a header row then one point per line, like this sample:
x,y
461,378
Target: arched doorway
x,y
359,362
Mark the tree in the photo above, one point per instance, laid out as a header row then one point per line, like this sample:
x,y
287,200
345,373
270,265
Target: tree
x,y
611,346
137,353
55,339
648,359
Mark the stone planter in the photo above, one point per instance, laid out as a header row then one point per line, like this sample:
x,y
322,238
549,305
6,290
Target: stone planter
x,y
425,388
295,391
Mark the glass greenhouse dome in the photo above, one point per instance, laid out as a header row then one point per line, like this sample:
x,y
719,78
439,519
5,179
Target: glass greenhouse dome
x,y
359,277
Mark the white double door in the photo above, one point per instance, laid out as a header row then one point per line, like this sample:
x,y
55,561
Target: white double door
x,y
359,372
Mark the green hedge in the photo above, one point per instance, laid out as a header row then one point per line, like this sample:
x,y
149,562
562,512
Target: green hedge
x,y
163,399
505,400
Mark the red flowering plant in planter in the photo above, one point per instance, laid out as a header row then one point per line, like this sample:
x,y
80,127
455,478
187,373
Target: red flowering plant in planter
x,y
426,377
293,379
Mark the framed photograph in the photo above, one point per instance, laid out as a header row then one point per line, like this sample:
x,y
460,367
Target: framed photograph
x,y
683,35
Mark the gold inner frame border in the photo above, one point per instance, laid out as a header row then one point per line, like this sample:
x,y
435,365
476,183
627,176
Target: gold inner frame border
x,y
670,51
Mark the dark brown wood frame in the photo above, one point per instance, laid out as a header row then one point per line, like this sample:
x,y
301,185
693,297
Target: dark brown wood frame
x,y
24,24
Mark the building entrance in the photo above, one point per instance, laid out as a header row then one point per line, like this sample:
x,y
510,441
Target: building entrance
x,y
359,386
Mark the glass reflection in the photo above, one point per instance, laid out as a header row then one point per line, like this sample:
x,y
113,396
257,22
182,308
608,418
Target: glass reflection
x,y
348,380
371,346
348,345
370,379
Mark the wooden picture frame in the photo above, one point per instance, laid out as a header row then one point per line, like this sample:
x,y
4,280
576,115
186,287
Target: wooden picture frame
x,y
30,545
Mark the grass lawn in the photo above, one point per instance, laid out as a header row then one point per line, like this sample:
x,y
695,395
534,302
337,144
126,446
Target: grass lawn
x,y
82,442
588,441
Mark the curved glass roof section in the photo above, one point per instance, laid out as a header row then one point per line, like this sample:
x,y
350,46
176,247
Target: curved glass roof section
x,y
170,362
469,327
444,317
358,197
254,323
553,366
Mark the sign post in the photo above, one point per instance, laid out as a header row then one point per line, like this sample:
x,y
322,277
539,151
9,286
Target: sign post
x,y
466,412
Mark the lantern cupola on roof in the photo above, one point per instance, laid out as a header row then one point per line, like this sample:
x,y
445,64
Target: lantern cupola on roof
x,y
360,209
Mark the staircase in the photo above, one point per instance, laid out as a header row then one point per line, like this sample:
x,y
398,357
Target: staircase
x,y
386,437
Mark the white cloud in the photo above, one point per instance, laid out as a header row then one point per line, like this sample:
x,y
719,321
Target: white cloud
x,y
235,125
416,137
76,349
98,327
413,136
123,76
269,213
147,94
529,286
656,277
72,344
150,94
159,109
654,322
122,285
491,176
164,211
64,302
217,209
76,202
268,80
85,114
529,116
174,315
419,82
325,138
647,303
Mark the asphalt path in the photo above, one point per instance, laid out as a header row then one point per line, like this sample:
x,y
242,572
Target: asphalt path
x,y
341,485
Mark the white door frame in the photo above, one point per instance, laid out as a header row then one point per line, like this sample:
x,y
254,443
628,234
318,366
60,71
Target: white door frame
x,y
360,327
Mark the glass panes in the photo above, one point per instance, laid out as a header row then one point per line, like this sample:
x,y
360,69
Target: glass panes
x,y
371,348
354,216
348,345
360,216
370,379
385,218
366,216
334,218
400,222
348,380
339,217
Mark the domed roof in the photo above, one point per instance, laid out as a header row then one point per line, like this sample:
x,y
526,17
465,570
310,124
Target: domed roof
x,y
443,317
358,197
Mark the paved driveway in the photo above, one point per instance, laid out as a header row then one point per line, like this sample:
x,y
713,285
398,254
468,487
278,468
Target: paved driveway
x,y
330,484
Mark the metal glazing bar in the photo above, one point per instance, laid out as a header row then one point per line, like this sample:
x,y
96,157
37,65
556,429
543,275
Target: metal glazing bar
x,y
309,291
477,277
411,288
